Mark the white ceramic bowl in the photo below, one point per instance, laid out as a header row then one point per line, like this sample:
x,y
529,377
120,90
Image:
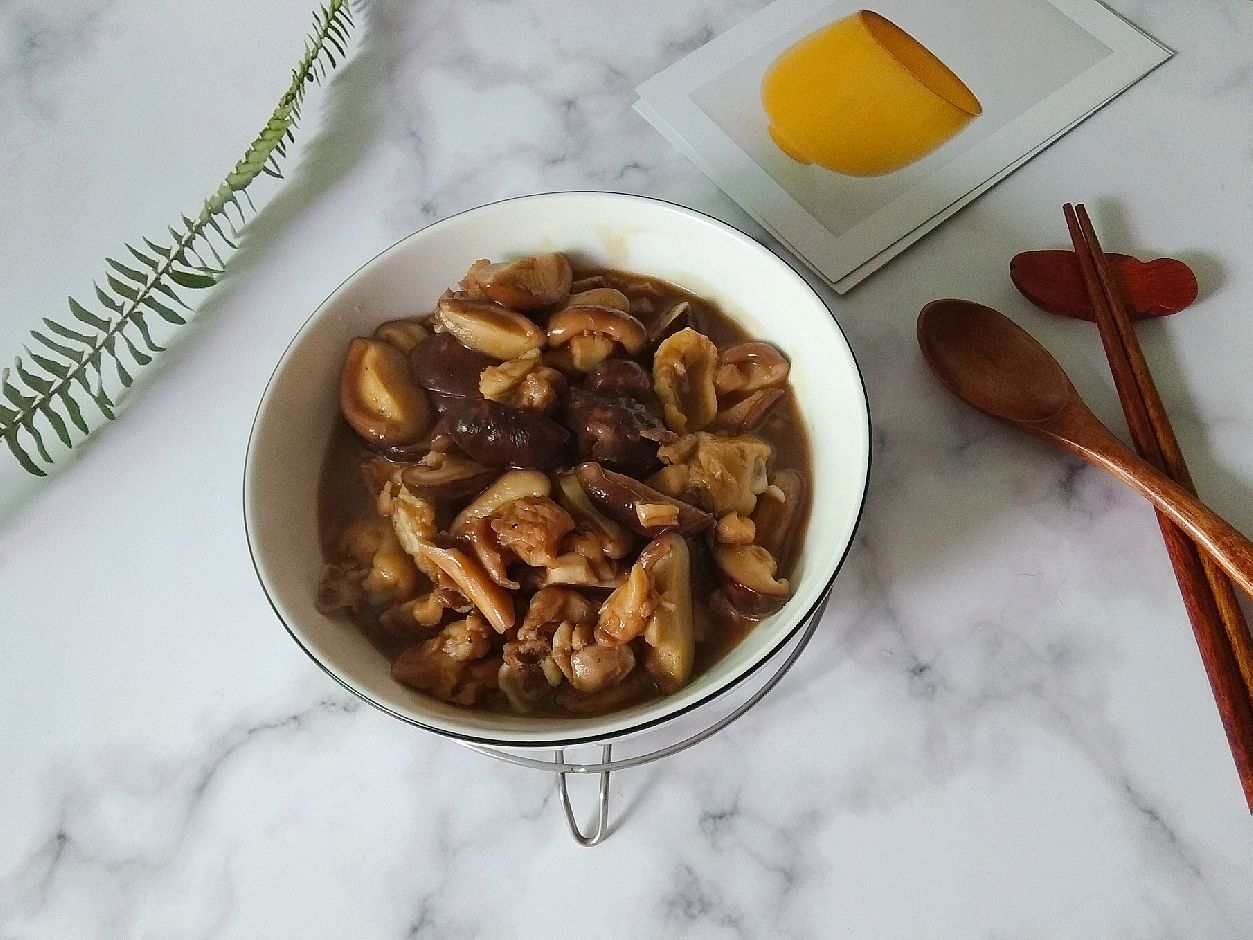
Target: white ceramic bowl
x,y
300,409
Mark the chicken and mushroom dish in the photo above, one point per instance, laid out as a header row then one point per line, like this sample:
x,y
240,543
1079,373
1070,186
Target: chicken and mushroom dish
x,y
562,491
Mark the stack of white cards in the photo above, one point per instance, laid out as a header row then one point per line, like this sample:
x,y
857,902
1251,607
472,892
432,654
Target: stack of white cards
x,y
1037,67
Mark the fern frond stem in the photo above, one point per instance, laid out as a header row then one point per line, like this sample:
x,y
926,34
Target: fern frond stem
x,y
335,14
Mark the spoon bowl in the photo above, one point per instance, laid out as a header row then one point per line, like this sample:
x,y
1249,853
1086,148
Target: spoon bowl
x,y
990,362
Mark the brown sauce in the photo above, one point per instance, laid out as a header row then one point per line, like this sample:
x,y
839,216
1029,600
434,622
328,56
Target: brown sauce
x,y
343,498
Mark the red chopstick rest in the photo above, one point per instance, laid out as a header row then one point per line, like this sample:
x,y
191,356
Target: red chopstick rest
x,y
1051,280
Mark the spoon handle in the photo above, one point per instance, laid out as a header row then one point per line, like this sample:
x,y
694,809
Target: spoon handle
x,y
1215,535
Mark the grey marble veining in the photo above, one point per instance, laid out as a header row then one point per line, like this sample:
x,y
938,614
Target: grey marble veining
x,y
1001,730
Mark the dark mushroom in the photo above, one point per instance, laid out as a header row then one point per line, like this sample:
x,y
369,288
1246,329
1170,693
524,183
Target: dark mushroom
x,y
509,486
446,368
438,476
749,411
748,579
643,295
705,575
670,637
441,434
404,334
615,541
594,331
637,286
470,577
525,284
681,316
509,437
487,326
587,283
378,395
735,529
747,367
621,377
478,535
620,497
619,433
436,438
402,452
642,308
778,510
604,296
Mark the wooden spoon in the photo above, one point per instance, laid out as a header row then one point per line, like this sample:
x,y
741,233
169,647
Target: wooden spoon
x,y
990,363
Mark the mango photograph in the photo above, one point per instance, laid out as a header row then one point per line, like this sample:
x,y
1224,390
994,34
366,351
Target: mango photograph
x,y
862,97
849,109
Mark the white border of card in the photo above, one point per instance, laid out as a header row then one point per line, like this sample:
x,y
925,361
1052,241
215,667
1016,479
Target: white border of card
x,y
666,102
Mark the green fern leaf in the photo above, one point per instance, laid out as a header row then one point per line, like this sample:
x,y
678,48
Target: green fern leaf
x,y
190,279
72,409
58,424
23,402
153,246
137,354
105,404
20,455
192,260
51,366
84,315
115,305
66,332
65,352
123,374
142,325
122,290
143,258
164,312
39,384
40,447
217,228
165,289
136,276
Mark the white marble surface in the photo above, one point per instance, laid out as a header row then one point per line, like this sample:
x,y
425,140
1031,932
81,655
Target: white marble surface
x,y
1002,729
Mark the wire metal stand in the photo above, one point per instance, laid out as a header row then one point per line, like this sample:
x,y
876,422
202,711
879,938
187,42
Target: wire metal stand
x,y
561,767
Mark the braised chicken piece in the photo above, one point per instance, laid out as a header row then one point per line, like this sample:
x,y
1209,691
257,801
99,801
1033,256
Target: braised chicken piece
x,y
532,528
571,491
589,664
718,474
524,383
550,608
442,668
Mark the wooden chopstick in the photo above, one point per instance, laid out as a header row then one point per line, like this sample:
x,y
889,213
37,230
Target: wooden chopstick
x,y
1222,635
1172,461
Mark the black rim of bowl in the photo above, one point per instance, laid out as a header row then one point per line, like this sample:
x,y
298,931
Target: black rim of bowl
x,y
643,725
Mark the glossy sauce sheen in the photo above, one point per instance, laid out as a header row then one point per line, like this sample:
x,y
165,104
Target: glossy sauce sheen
x,y
343,498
